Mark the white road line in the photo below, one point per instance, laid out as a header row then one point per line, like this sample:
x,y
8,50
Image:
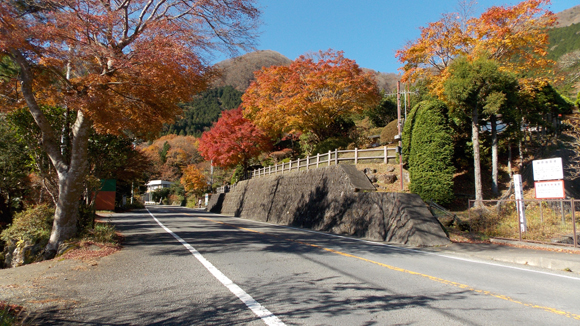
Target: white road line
x,y
413,250
260,311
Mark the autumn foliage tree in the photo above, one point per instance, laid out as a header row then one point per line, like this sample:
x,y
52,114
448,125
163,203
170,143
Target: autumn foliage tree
x,y
120,65
516,37
233,140
170,155
193,180
513,37
309,95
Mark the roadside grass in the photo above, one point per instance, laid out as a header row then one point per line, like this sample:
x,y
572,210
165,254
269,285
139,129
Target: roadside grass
x,y
100,241
10,314
103,232
546,222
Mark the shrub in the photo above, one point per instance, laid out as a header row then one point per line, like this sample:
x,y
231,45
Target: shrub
x,y
383,113
103,233
389,132
33,224
174,199
137,204
160,193
192,201
307,143
330,144
237,175
431,154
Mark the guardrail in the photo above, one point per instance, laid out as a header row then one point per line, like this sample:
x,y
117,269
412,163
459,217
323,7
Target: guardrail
x,y
335,157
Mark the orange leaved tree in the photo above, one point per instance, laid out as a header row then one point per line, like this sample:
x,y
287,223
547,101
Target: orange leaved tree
x,y
309,95
193,180
121,65
516,37
233,140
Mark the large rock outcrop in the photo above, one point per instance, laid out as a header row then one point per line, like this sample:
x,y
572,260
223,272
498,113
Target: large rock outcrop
x,y
337,199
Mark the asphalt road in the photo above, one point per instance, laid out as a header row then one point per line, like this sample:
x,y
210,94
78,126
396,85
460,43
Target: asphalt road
x,y
208,269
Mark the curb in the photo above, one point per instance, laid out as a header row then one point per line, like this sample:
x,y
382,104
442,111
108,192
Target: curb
x,y
556,264
516,243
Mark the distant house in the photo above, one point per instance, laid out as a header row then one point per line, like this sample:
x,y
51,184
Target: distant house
x,y
151,187
157,184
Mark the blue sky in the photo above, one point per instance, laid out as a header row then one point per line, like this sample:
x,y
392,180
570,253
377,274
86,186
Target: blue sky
x,y
368,31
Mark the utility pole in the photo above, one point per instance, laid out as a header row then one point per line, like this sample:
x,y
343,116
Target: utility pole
x,y
399,129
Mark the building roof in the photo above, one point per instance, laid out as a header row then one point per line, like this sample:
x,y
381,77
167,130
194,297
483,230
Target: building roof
x,y
158,182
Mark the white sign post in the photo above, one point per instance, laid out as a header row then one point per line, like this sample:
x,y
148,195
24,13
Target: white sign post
x,y
549,169
519,192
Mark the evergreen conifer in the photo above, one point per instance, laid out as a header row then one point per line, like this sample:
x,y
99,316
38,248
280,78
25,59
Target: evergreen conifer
x,y
431,152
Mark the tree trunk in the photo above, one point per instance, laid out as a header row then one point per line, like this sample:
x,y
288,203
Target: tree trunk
x,y
71,173
494,159
476,157
70,187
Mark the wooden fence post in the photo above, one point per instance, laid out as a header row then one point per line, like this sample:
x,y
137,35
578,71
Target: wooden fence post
x,y
386,160
307,162
336,156
317,159
355,155
328,157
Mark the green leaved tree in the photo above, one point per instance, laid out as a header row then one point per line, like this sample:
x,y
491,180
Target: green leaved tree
x,y
475,91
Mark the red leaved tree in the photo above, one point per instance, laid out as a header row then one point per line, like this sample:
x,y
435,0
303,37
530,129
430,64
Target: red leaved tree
x,y
121,65
233,140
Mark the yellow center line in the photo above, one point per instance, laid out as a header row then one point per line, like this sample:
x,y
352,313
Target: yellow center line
x,y
398,269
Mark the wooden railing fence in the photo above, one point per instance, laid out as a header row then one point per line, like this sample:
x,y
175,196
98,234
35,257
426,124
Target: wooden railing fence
x,y
356,156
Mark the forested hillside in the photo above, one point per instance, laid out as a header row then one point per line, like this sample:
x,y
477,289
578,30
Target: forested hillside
x,y
564,48
564,40
199,114
239,72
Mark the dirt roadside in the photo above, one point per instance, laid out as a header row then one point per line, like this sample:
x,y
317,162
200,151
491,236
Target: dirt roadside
x,y
44,288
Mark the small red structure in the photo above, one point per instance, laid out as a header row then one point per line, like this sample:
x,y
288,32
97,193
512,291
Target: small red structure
x,y
105,200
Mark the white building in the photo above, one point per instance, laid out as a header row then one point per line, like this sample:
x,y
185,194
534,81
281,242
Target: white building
x,y
157,184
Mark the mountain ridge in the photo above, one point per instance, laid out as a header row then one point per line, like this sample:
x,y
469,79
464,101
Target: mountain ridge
x,y
568,17
238,72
